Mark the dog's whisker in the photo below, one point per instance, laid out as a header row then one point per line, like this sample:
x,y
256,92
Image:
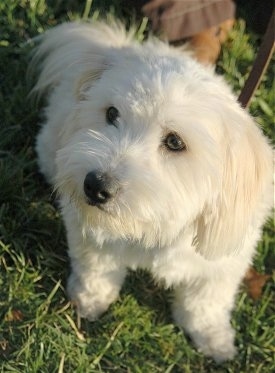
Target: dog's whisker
x,y
100,137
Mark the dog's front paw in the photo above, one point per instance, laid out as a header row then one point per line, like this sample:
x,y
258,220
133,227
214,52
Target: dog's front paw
x,y
90,304
212,335
216,343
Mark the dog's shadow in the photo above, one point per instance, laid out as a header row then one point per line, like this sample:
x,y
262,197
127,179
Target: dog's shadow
x,y
148,294
140,298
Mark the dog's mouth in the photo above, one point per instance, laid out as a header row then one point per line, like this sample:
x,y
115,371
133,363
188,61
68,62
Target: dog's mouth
x,y
106,207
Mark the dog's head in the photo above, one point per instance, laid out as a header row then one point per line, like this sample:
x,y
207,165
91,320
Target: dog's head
x,y
156,143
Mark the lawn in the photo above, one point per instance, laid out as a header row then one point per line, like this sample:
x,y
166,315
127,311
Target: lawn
x,y
39,330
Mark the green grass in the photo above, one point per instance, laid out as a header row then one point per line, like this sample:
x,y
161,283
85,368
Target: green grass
x,y
38,327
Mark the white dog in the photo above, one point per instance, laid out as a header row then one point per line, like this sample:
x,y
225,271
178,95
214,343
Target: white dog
x,y
157,167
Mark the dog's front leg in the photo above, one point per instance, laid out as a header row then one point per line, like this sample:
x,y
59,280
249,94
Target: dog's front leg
x,y
95,281
203,309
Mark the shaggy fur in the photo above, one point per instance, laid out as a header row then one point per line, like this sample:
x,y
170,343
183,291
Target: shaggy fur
x,y
191,216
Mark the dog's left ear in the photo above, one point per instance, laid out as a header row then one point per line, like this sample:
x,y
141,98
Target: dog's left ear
x,y
79,50
87,79
245,191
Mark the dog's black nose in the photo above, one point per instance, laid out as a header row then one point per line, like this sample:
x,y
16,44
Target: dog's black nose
x,y
100,187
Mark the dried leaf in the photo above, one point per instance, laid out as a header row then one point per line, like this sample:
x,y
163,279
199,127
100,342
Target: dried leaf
x,y
3,344
4,348
255,282
14,315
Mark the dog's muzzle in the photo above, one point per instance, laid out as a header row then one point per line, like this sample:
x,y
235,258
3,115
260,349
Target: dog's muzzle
x,y
100,188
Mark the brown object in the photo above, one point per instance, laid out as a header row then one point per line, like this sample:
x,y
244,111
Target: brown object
x,y
181,19
264,55
255,282
207,44
205,23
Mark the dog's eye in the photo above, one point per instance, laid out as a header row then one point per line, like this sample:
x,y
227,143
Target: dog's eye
x,y
112,115
174,143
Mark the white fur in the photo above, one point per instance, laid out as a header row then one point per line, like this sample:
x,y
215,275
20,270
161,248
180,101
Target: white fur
x,y
192,218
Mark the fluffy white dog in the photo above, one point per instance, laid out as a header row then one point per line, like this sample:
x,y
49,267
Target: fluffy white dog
x,y
157,167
